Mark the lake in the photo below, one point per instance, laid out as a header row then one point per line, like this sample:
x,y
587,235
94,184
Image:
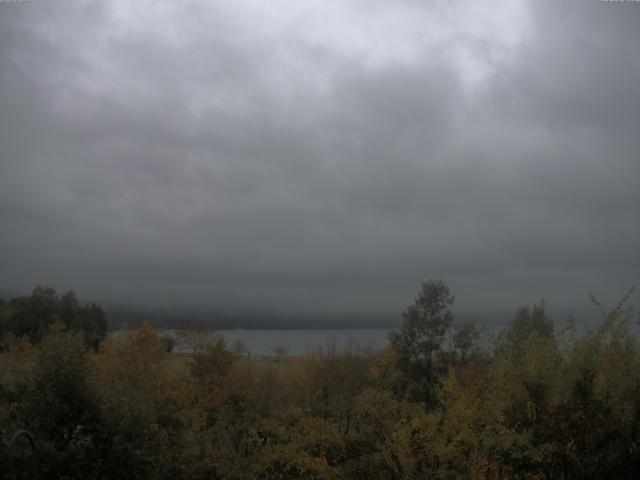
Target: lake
x,y
298,342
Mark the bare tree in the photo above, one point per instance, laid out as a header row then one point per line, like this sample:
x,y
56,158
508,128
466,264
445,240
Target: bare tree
x,y
240,348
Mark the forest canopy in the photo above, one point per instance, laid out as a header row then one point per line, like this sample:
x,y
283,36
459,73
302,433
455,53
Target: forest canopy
x,y
32,316
444,400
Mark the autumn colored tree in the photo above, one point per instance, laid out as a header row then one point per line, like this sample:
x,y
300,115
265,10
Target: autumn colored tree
x,y
541,402
195,335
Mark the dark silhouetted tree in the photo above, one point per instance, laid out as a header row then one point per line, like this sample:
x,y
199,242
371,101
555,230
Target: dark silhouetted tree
x,y
420,339
33,315
280,351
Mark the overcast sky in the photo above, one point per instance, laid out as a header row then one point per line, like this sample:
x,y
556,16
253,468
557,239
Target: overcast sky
x,y
320,157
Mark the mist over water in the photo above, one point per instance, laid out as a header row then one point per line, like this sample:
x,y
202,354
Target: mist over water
x,y
261,343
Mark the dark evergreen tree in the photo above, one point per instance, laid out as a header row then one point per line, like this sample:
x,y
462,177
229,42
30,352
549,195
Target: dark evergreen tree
x,y
33,315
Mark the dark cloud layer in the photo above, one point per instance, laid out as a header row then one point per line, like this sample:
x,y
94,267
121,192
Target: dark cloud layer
x,y
302,158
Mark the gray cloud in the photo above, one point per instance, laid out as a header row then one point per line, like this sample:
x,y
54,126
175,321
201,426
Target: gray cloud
x,y
320,160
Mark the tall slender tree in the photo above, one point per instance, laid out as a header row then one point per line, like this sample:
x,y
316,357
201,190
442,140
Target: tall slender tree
x,y
425,324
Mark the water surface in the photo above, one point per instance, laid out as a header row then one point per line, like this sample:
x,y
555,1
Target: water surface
x,y
298,342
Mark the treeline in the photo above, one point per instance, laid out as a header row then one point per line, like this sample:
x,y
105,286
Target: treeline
x,y
443,401
32,316
119,318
